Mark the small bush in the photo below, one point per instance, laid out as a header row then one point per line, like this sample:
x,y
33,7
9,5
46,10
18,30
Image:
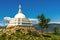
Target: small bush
x,y
56,30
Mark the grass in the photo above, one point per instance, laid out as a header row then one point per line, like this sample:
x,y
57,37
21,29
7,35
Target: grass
x,y
19,36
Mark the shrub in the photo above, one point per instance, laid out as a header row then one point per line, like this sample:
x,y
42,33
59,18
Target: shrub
x,y
56,30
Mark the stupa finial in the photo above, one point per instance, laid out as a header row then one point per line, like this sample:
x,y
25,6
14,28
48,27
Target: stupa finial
x,y
19,9
19,6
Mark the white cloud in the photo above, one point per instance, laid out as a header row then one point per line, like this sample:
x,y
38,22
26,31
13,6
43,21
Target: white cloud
x,y
7,18
34,21
5,22
2,25
54,22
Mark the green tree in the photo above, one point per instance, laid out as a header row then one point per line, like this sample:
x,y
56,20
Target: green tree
x,y
43,22
56,30
47,23
41,19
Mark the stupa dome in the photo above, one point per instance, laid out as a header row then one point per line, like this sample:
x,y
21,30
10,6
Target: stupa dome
x,y
19,14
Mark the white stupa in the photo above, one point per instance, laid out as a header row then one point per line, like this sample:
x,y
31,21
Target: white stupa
x,y
20,19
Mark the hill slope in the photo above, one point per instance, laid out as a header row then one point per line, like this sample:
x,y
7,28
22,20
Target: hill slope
x,y
24,33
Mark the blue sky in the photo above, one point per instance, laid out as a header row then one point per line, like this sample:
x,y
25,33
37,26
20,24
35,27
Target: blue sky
x,y
31,8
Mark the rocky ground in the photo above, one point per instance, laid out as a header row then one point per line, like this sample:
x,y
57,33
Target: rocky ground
x,y
25,33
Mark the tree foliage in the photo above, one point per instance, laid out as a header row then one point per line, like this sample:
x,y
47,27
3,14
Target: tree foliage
x,y
43,21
